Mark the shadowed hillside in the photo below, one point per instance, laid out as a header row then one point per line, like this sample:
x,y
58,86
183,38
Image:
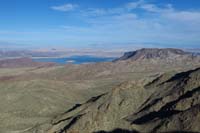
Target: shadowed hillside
x,y
165,105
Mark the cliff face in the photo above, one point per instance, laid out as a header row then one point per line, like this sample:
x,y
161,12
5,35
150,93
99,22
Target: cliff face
x,y
169,103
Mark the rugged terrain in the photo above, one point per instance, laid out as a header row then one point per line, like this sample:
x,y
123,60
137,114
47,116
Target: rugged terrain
x,y
168,103
155,53
130,93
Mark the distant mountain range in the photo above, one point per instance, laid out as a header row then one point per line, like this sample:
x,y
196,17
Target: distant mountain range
x,y
27,53
155,53
148,52
56,53
13,59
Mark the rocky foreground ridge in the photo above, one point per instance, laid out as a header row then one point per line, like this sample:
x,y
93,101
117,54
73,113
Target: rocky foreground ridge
x,y
170,103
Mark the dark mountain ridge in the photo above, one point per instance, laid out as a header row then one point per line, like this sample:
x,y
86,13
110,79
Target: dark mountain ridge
x,y
154,53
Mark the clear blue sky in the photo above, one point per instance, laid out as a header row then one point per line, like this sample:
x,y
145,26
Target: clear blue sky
x,y
100,23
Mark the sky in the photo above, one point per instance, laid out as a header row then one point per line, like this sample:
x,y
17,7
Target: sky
x,y
103,24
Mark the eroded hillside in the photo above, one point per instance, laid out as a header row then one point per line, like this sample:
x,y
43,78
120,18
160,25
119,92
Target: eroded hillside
x,y
169,103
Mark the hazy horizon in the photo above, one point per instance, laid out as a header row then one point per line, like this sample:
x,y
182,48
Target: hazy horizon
x,y
96,24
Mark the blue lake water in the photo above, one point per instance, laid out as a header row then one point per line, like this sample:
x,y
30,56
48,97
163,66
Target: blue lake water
x,y
75,59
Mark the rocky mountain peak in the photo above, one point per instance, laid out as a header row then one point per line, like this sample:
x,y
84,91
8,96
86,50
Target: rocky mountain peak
x,y
152,53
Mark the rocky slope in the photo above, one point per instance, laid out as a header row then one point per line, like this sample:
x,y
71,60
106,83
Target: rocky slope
x,y
169,103
155,53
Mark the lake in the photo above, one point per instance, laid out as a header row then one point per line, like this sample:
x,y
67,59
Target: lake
x,y
75,59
